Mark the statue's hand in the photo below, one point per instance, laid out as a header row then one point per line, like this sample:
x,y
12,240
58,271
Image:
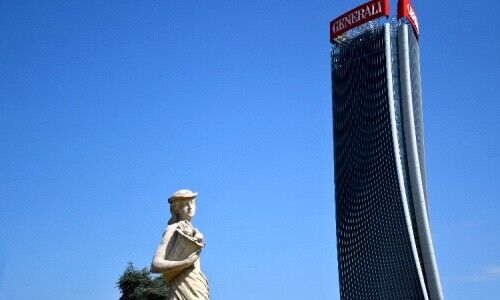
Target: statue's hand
x,y
192,258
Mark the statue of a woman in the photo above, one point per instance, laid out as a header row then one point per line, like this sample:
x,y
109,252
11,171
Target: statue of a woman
x,y
177,256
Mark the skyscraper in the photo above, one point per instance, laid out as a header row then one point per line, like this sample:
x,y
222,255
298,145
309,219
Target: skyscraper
x,y
384,244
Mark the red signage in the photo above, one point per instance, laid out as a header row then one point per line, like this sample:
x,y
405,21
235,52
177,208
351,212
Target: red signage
x,y
360,15
405,9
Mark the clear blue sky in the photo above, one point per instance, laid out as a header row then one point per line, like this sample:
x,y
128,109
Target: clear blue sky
x,y
107,107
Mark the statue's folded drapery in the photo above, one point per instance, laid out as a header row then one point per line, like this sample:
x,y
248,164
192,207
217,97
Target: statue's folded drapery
x,y
190,284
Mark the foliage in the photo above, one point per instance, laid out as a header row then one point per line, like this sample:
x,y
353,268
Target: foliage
x,y
138,284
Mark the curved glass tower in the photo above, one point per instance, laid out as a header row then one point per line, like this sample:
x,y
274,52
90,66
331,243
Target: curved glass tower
x,y
384,244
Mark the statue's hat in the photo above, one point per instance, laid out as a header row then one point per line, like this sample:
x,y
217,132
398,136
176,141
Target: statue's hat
x,y
182,195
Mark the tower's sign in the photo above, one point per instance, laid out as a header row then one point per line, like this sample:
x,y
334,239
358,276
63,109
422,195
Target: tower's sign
x,y
406,10
361,14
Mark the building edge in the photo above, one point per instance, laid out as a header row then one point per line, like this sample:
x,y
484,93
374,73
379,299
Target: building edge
x,y
417,185
397,154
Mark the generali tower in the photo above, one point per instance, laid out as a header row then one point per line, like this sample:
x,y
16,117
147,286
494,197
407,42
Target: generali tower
x,y
384,240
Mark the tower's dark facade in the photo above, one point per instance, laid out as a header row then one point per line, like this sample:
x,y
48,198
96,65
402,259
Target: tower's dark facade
x,y
384,244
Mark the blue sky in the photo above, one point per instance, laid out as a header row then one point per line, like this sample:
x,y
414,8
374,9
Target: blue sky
x,y
107,107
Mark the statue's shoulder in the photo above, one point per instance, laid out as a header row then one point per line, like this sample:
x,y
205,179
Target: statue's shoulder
x,y
172,226
178,225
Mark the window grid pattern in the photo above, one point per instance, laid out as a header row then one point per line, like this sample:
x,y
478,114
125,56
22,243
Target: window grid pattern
x,y
373,244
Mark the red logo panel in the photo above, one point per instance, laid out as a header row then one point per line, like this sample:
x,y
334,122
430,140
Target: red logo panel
x,y
358,16
406,10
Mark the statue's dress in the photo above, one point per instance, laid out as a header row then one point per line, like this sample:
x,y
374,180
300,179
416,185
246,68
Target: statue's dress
x,y
191,284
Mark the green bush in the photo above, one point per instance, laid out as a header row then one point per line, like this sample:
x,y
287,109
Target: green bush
x,y
137,284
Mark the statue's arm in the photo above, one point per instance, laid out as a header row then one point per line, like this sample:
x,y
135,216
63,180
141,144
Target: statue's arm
x,y
161,265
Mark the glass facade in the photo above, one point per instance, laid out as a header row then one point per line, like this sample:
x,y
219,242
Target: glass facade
x,y
381,242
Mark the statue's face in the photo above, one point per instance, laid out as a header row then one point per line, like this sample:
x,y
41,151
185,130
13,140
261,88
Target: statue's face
x,y
187,209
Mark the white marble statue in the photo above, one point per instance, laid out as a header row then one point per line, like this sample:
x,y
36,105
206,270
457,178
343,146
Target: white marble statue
x,y
177,256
